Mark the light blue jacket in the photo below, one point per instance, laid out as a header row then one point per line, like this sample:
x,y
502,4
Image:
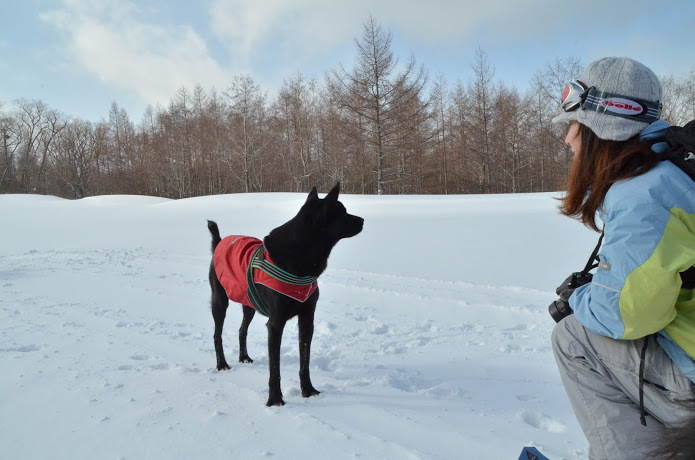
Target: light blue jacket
x,y
649,238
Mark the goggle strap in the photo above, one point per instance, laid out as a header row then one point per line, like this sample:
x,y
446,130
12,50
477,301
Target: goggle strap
x,y
594,97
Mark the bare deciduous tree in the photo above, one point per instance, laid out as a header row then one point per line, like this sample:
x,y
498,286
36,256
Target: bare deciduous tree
x,y
679,99
481,90
296,115
10,143
379,94
37,128
442,130
75,158
247,121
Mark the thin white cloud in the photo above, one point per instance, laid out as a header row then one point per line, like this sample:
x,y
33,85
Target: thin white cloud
x,y
303,26
315,24
125,51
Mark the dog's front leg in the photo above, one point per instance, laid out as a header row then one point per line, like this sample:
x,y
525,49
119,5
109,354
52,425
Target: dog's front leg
x,y
275,329
306,333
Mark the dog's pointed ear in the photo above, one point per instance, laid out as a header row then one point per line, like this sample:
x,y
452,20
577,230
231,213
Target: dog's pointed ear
x,y
333,194
313,195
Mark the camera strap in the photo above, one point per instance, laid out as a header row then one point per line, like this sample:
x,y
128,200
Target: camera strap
x,y
593,260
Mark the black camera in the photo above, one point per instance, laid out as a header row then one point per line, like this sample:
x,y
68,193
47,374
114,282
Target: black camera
x,y
561,307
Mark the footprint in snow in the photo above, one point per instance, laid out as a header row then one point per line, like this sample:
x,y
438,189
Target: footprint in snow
x,y
380,329
24,349
541,421
161,367
140,357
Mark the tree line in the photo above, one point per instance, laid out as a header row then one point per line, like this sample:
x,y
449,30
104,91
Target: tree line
x,y
383,126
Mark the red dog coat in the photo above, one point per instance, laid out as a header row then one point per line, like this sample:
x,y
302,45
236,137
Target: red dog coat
x,y
231,260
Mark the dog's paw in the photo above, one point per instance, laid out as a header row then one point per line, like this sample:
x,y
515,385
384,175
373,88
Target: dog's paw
x,y
275,402
245,359
223,366
308,393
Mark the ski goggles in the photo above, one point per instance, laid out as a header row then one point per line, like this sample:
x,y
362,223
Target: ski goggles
x,y
577,95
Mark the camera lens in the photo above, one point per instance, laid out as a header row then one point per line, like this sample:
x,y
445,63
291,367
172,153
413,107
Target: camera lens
x,y
559,309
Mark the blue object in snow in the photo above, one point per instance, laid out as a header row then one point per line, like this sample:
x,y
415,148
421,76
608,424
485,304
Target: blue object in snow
x,y
531,453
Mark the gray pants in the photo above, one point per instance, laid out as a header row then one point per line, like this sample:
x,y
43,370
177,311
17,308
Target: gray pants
x,y
601,377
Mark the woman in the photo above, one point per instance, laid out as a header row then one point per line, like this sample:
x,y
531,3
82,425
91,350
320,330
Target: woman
x,y
634,308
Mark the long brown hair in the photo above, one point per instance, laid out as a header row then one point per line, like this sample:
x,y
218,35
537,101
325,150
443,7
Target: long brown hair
x,y
598,165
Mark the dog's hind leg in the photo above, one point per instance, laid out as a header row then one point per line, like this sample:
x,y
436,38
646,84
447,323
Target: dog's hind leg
x,y
219,311
306,333
219,304
243,332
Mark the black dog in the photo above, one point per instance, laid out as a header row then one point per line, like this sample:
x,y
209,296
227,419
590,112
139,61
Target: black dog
x,y
300,250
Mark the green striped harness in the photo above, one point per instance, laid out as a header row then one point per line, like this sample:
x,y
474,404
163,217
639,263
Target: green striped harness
x,y
258,261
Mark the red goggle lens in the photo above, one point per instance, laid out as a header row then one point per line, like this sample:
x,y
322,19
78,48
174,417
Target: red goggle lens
x,y
566,92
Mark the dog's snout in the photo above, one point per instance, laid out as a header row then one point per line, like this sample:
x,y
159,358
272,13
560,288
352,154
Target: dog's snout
x,y
359,224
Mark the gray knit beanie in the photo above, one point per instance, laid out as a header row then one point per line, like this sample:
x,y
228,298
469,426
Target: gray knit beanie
x,y
623,76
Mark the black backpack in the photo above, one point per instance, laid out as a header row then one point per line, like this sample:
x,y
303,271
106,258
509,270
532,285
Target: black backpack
x,y
681,147
681,152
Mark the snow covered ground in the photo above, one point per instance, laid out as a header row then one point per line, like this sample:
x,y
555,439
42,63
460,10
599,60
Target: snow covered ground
x,y
432,333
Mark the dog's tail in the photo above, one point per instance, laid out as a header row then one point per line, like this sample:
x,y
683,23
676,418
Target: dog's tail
x,y
215,232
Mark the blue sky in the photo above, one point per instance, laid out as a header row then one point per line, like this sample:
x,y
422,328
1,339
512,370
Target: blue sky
x,y
79,56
